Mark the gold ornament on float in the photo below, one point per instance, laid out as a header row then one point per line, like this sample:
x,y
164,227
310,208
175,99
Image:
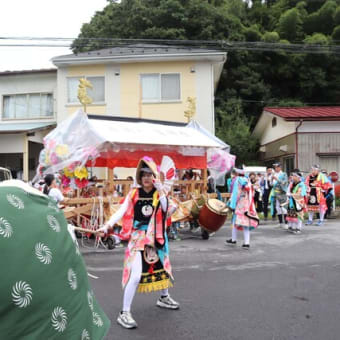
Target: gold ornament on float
x,y
191,108
82,92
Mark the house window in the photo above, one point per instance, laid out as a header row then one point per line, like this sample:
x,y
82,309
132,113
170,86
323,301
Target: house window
x,y
289,164
28,106
274,122
161,87
97,94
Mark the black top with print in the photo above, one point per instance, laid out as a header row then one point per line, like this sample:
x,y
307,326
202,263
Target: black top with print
x,y
143,208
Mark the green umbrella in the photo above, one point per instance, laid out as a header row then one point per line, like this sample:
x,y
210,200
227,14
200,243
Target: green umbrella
x,y
44,288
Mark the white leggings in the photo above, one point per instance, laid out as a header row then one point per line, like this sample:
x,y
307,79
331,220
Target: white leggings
x,y
246,234
311,214
131,286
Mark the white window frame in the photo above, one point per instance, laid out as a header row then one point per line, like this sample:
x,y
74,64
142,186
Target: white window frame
x,y
159,100
27,105
77,103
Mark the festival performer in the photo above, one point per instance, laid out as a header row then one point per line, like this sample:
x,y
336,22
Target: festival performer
x,y
317,185
278,195
296,202
242,203
146,265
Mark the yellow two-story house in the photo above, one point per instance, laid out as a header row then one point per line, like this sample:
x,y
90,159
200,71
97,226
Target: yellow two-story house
x,y
142,81
135,81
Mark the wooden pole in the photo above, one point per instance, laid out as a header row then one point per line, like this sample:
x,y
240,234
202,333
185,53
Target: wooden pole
x,y
78,216
25,156
110,178
205,180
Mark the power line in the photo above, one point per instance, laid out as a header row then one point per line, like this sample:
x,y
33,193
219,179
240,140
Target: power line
x,y
222,45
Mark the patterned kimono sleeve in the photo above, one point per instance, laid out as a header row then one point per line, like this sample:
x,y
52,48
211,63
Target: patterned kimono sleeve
x,y
283,180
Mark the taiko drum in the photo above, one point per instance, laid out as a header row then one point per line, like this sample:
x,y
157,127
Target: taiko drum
x,y
213,215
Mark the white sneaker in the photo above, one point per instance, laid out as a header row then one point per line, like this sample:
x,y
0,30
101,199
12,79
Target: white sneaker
x,y
167,302
285,226
126,320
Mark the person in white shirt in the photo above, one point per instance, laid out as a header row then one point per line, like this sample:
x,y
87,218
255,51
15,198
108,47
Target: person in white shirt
x,y
51,189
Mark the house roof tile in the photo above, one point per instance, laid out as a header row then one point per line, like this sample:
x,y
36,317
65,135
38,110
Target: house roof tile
x,y
309,113
138,49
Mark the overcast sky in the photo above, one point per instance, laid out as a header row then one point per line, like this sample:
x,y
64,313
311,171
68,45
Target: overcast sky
x,y
40,18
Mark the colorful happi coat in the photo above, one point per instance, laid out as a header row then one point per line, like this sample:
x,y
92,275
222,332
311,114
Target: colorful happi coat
x,y
44,287
296,202
316,187
147,238
242,202
279,190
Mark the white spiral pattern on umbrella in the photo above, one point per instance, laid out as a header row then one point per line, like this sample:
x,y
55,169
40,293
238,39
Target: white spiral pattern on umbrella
x,y
43,253
15,201
53,223
77,247
72,279
6,229
22,294
85,335
90,300
97,320
59,319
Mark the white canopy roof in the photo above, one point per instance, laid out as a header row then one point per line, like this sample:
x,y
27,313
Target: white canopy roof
x,y
151,133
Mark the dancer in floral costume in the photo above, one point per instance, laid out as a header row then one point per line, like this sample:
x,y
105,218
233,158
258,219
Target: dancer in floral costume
x,y
296,202
317,185
242,203
146,266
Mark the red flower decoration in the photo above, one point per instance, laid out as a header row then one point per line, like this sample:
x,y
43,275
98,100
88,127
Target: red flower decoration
x,y
81,183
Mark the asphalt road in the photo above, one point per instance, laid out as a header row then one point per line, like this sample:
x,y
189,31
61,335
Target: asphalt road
x,y
285,287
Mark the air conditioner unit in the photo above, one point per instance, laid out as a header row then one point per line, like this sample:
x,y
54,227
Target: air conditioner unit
x,y
283,148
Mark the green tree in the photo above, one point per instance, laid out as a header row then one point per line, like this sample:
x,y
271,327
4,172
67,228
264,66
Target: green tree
x,y
251,79
336,34
233,127
290,25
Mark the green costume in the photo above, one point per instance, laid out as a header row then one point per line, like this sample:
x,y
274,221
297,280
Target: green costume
x,y
44,289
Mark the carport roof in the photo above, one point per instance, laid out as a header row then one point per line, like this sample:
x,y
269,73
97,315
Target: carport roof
x,y
24,127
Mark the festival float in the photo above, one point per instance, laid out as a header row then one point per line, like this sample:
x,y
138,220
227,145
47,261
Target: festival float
x,y
83,142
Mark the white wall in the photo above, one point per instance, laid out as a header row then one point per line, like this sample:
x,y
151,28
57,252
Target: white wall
x,y
28,83
281,129
112,90
317,126
38,136
62,94
13,143
205,96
